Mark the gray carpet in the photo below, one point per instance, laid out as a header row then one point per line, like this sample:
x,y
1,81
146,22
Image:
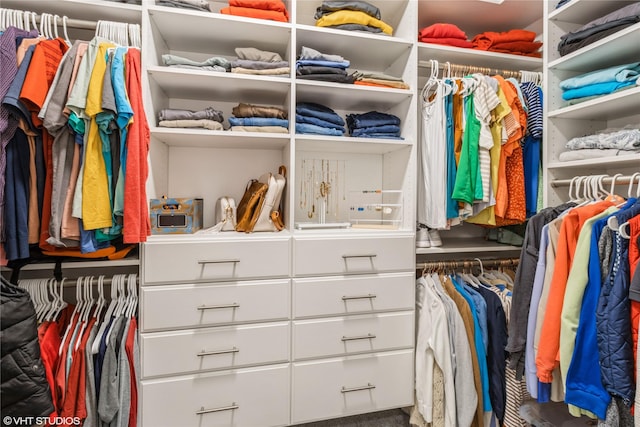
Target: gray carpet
x,y
391,418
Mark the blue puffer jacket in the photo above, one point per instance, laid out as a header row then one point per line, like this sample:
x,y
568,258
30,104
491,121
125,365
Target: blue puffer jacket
x,y
614,326
24,389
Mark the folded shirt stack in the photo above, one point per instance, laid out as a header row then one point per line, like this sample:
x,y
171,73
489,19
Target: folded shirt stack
x,y
374,124
202,5
606,143
312,118
274,10
255,61
315,65
365,78
515,42
209,118
351,16
446,34
599,28
215,63
601,82
258,118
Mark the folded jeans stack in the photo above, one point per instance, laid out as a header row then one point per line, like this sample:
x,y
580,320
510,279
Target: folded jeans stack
x,y
258,118
215,63
209,118
255,61
446,34
374,124
601,82
315,65
312,118
274,10
351,16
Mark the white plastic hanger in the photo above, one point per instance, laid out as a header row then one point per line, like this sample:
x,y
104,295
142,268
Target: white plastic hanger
x,y
64,30
105,322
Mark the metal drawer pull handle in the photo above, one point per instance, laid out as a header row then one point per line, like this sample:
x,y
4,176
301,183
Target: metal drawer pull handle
x,y
224,408
218,261
369,386
360,256
210,353
216,307
361,337
368,296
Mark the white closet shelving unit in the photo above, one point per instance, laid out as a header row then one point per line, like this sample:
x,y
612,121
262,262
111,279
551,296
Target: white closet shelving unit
x,y
610,111
478,17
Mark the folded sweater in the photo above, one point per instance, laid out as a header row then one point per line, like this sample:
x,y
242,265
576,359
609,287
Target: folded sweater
x,y
353,17
249,12
486,40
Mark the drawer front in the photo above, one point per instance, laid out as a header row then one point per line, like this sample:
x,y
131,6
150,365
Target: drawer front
x,y
240,398
353,255
170,262
351,385
188,306
339,336
353,294
214,348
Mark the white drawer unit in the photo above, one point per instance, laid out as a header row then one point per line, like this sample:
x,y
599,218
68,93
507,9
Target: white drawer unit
x,y
337,336
255,397
188,306
353,254
170,262
208,349
326,296
338,387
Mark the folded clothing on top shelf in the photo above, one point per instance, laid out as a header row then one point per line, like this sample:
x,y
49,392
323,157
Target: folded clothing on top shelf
x,y
255,61
315,65
599,28
312,118
338,14
258,118
516,42
601,82
260,129
590,153
446,34
258,121
215,63
379,79
374,124
251,110
274,10
186,4
186,123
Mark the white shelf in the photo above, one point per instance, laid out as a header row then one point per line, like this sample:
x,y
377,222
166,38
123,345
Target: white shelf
x,y
365,51
612,106
227,236
632,159
617,49
81,9
479,58
455,246
219,86
194,31
345,144
584,11
219,139
349,96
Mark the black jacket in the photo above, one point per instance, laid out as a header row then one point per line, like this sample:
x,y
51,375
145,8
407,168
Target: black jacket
x,y
24,389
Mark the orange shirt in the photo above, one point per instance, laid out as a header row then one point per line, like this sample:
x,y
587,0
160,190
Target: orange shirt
x,y
547,357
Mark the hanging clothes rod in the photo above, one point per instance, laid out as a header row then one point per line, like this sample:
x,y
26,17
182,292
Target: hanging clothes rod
x,y
469,69
74,281
476,262
620,179
79,24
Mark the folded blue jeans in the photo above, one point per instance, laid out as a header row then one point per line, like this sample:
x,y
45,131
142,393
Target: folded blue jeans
x,y
323,63
318,122
379,135
317,130
258,121
311,109
372,118
394,129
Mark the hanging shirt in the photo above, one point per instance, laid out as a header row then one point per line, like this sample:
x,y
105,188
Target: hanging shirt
x,y
467,188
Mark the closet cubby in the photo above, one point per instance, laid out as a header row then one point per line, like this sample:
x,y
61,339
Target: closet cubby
x,y
615,110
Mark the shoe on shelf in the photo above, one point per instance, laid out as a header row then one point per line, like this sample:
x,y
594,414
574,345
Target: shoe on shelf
x,y
434,238
422,238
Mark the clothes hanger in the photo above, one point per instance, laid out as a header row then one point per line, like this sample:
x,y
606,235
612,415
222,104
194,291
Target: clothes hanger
x,y
95,346
55,25
64,30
